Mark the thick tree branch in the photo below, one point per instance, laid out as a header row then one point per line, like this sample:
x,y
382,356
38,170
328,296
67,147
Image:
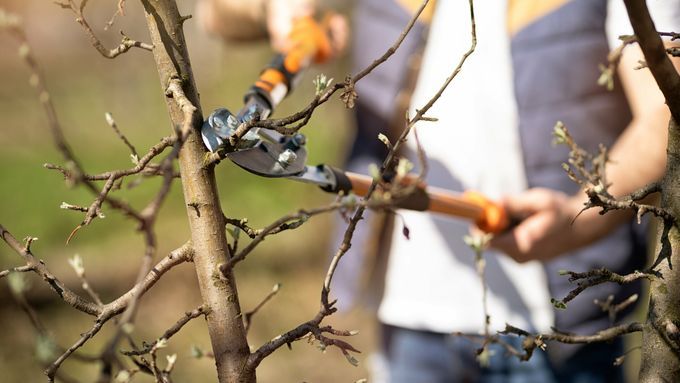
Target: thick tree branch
x,y
667,78
201,198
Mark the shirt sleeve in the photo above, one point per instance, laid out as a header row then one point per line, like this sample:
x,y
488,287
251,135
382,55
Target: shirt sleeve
x,y
665,13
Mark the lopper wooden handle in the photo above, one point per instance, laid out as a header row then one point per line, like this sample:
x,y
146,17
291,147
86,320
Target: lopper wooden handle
x,y
487,215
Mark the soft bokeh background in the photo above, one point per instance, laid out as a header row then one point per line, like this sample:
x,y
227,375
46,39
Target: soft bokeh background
x,y
84,86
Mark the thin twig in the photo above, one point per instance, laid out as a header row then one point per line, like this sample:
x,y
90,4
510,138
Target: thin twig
x,y
112,123
125,45
77,264
247,317
612,309
51,370
281,224
589,171
596,277
532,341
188,316
18,269
73,170
68,296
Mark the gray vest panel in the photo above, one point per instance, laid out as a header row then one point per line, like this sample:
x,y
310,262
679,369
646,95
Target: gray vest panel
x,y
555,63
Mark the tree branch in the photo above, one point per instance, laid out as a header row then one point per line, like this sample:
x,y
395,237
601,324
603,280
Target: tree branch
x,y
125,45
247,317
188,316
532,341
667,78
67,295
596,277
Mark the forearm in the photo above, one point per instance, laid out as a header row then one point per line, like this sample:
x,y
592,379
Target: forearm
x,y
245,20
638,157
233,20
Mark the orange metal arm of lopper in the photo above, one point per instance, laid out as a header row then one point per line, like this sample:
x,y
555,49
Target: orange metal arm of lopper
x,y
489,216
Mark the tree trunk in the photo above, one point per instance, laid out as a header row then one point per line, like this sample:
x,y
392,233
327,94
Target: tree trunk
x,y
206,222
661,334
660,339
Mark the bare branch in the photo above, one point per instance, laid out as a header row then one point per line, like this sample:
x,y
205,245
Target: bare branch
x,y
188,316
247,317
54,367
18,269
612,309
108,311
647,190
77,264
532,341
74,172
281,224
125,45
596,277
120,10
589,171
68,296
667,78
112,123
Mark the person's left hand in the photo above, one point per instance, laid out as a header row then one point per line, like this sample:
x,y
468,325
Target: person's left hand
x,y
545,230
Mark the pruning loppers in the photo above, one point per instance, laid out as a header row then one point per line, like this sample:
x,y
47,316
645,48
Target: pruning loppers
x,y
267,153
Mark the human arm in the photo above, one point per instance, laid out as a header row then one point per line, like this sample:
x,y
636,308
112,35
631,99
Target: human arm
x,y
238,20
638,157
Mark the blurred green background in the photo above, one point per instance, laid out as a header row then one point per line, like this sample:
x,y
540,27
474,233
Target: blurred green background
x,y
84,86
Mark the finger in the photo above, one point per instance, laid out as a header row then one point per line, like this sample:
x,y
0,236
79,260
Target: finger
x,y
529,202
339,32
523,243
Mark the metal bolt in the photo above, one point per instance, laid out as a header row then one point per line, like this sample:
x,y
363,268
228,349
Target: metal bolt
x,y
299,139
223,122
287,157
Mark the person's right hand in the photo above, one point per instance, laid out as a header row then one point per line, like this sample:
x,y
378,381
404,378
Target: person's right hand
x,y
284,31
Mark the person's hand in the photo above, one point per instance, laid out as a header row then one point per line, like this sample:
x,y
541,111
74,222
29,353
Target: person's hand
x,y
281,18
546,229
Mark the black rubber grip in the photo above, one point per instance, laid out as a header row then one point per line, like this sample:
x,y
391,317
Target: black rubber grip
x,y
278,64
261,95
342,182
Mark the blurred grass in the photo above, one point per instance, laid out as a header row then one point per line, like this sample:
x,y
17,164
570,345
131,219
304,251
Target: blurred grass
x,y
84,86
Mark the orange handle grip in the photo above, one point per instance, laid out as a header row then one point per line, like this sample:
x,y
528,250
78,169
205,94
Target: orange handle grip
x,y
489,216
308,41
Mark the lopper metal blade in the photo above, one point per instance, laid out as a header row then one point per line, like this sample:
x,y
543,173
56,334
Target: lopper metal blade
x,y
261,151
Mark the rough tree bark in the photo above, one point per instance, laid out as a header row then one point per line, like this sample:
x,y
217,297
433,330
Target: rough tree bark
x,y
206,221
661,335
